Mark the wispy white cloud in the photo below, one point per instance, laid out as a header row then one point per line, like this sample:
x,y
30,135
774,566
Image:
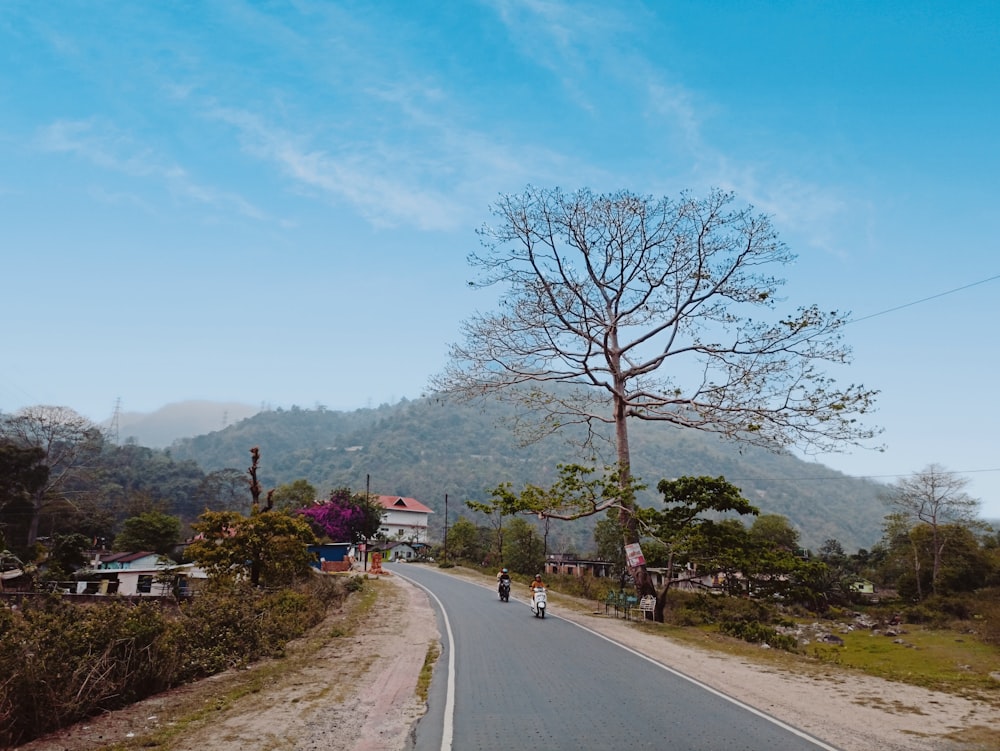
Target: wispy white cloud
x,y
440,176
572,40
101,144
361,174
567,39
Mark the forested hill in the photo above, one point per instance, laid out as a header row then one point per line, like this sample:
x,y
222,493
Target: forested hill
x,y
428,448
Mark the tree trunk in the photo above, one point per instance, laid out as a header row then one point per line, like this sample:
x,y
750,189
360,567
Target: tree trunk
x,y
643,581
661,596
916,571
36,519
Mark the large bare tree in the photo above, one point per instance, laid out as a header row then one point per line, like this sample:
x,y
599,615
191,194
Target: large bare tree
x,y
936,498
68,442
618,307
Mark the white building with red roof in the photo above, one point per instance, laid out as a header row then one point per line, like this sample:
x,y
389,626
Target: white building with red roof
x,y
404,518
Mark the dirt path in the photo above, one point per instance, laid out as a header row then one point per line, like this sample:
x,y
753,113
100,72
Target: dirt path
x,y
358,693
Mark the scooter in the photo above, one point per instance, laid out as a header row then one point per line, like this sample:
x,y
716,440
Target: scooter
x,y
505,590
538,598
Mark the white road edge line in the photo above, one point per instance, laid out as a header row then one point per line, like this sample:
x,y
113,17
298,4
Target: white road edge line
x,y
448,728
732,700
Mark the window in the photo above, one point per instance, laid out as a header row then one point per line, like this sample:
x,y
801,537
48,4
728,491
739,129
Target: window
x,y
145,584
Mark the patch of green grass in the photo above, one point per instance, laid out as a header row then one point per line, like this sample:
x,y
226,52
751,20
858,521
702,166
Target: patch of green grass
x,y
932,658
427,671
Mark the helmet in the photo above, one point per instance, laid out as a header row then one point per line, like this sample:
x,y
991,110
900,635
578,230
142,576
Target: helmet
x,y
505,571
538,576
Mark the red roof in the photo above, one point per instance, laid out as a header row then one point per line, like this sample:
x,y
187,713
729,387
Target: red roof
x,y
397,503
124,557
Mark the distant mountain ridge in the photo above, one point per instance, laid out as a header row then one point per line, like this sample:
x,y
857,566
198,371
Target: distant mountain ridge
x,y
432,449
180,420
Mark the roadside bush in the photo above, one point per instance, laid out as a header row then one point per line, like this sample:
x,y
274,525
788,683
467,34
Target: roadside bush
x,y
587,587
66,662
721,608
924,613
756,632
61,662
987,616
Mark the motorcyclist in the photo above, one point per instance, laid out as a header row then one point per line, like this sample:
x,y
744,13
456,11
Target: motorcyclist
x,y
502,576
536,583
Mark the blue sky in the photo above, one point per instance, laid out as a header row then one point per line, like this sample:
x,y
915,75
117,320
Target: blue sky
x,y
272,203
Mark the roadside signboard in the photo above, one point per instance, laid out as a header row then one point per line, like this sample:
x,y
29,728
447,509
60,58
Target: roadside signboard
x,y
633,555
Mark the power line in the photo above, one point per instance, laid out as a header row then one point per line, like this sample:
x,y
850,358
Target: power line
x,y
925,299
844,476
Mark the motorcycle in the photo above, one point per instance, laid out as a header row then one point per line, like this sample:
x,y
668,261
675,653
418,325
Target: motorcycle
x,y
504,590
538,599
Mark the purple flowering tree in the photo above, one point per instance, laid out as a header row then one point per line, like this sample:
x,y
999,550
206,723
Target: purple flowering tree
x,y
345,517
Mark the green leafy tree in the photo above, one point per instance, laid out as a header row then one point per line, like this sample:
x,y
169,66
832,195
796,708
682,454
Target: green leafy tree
x,y
601,293
686,525
967,566
831,552
67,553
775,531
293,495
608,538
22,471
69,444
843,570
523,548
133,479
465,541
152,530
225,489
268,548
22,475
503,502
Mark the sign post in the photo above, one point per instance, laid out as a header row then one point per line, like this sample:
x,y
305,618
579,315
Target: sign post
x,y
633,555
647,605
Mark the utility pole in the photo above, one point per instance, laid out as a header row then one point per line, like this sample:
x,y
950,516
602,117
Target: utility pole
x,y
368,500
445,527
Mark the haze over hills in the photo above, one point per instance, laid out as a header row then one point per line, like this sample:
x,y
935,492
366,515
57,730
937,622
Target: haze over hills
x,y
180,420
432,448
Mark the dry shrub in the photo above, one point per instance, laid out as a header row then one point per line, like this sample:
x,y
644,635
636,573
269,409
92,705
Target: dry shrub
x,y
987,616
62,661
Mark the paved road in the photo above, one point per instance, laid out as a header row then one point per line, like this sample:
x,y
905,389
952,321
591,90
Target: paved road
x,y
507,680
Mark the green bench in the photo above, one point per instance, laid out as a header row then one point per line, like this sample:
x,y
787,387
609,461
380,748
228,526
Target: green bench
x,y
622,603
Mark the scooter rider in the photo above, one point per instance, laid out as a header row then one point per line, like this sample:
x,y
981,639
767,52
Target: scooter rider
x,y
536,583
501,577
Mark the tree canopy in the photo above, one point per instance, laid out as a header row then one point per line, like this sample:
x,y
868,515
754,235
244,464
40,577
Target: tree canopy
x,y
651,309
68,442
936,498
152,530
268,548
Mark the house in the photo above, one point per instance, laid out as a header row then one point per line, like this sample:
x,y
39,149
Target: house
x,y
562,563
399,550
862,587
104,561
687,578
139,574
404,518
